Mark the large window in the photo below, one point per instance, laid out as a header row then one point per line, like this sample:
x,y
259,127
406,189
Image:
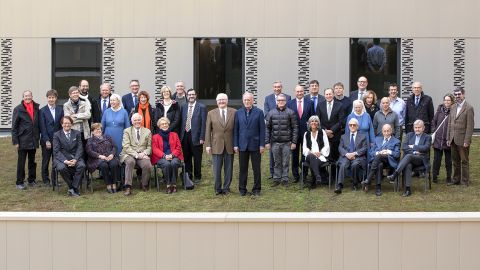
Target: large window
x,y
218,68
377,59
75,59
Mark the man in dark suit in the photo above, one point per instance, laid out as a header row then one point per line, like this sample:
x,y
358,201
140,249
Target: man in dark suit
x,y
459,136
249,142
353,152
25,137
362,84
314,94
386,151
102,103
131,99
219,142
68,155
50,116
418,106
192,134
269,104
303,109
416,152
332,118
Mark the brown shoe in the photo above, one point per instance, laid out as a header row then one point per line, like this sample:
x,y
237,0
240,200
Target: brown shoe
x,y
169,189
144,188
128,192
174,189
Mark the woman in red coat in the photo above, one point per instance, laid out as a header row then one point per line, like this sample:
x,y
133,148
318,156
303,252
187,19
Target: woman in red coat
x,y
167,153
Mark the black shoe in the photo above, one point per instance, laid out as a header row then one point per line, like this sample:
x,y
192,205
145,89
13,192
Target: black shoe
x,y
271,176
32,183
256,193
218,193
378,192
338,190
407,193
21,187
47,184
197,180
365,184
296,179
243,193
451,183
71,192
435,179
110,191
275,183
285,183
392,177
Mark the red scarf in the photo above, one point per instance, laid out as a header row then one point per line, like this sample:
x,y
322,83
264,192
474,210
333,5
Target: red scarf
x,y
29,107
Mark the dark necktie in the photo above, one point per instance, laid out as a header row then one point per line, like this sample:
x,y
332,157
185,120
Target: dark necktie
x,y
351,147
135,100
104,105
68,136
416,101
224,117
138,135
385,141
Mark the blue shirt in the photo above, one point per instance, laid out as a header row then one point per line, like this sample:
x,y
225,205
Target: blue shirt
x,y
399,107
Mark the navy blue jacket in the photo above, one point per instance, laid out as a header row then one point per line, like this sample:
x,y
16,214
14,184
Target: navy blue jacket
x,y
423,146
249,135
393,144
48,125
198,123
127,102
302,122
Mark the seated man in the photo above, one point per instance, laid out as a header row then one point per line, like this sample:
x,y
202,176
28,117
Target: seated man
x,y
386,151
353,151
68,155
136,150
416,152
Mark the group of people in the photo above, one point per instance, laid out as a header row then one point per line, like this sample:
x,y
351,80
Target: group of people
x,y
357,134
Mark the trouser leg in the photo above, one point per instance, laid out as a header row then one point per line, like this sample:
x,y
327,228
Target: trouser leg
x,y
22,157
243,158
256,159
46,156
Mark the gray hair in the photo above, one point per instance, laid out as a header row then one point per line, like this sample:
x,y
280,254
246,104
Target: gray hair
x,y
135,115
221,95
311,119
418,122
353,121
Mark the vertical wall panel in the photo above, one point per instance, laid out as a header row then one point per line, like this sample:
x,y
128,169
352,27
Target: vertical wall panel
x,y
390,246
419,246
3,245
69,245
6,84
255,246
180,61
472,69
168,246
338,247
115,245
18,240
226,246
41,251
133,245
448,243
296,246
320,246
151,262
280,252
197,246
160,67
468,248
98,245
360,246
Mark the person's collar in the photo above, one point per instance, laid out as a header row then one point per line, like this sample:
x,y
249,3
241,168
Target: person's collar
x,y
301,100
192,104
354,133
340,98
461,103
387,138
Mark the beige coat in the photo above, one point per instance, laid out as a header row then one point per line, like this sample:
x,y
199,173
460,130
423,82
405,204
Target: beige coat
x,y
217,135
130,146
81,118
460,127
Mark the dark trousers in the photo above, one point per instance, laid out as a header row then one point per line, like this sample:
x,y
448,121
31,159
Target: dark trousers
x,y
110,171
437,160
169,169
296,155
224,160
315,164
376,168
243,158
192,151
72,175
46,156
271,163
408,162
357,166
32,166
460,163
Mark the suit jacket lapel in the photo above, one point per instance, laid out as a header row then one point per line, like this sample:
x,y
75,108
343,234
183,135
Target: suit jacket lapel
x,y
461,110
230,116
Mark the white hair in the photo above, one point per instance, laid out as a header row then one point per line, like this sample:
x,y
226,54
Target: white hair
x,y
136,115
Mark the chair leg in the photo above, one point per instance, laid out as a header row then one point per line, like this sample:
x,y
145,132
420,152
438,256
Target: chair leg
x,y
329,168
301,176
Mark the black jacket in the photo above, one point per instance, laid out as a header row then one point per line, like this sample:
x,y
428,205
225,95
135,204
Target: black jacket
x,y
25,132
440,141
424,111
173,114
281,126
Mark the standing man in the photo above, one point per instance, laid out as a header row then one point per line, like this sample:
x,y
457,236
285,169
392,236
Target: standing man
x,y
397,105
131,99
249,141
50,116
303,109
459,136
179,96
25,137
340,97
332,117
219,142
362,84
269,104
416,152
353,152
136,150
79,111
419,106
314,95
282,135
83,87
102,103
68,155
192,134
376,58
385,152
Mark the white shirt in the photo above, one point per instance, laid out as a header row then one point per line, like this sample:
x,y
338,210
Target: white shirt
x,y
107,101
325,151
221,116
52,110
167,107
361,94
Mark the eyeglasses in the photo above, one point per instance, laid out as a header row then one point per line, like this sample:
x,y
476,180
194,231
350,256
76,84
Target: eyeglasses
x,y
352,125
457,94
281,100
362,81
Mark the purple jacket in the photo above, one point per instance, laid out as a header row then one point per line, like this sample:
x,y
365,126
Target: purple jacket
x,y
95,147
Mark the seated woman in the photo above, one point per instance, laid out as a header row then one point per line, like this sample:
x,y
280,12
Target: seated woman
x,y
101,152
316,148
167,153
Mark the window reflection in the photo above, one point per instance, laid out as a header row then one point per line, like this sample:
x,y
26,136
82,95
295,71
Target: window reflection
x,y
377,59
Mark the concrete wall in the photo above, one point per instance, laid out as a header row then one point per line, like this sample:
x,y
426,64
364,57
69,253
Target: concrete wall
x,y
357,241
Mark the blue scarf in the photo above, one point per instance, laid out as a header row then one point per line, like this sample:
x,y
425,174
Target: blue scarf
x,y
166,143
